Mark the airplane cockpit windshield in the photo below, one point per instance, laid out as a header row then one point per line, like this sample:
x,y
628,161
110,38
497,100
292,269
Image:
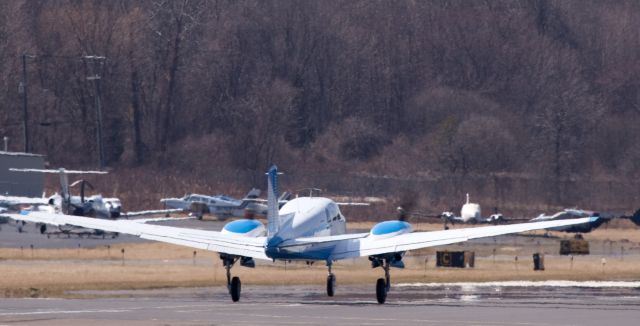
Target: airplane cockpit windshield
x,y
198,199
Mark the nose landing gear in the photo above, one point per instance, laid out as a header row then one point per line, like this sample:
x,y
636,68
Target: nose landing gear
x,y
331,281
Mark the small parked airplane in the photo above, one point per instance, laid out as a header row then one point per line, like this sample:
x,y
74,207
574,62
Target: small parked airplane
x,y
572,213
222,206
92,206
470,213
305,228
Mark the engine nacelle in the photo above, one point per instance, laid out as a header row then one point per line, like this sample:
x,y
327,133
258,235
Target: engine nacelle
x,y
388,229
245,227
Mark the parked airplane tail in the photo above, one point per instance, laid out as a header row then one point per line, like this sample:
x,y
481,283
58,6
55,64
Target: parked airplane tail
x,y
285,196
253,193
273,215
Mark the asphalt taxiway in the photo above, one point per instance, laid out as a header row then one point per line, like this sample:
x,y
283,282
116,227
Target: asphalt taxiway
x,y
408,304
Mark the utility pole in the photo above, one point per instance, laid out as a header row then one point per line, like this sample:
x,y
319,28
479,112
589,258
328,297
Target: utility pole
x,y
22,88
96,78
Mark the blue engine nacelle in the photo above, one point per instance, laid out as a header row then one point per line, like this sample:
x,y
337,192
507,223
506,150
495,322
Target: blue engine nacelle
x,y
244,227
388,229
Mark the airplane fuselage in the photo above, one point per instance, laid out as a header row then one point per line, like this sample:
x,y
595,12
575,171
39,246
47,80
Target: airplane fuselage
x,y
306,217
220,206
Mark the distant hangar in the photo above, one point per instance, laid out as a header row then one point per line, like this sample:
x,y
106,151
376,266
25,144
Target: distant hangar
x,y
21,184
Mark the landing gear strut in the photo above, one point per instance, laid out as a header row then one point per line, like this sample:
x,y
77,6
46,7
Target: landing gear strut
x,y
233,284
383,285
331,281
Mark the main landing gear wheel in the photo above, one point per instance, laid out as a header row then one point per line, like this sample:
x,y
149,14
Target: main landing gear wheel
x,y
331,285
233,284
235,288
381,290
383,285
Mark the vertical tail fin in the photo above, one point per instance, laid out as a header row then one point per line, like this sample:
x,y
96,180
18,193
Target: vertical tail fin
x,y
253,193
64,184
273,214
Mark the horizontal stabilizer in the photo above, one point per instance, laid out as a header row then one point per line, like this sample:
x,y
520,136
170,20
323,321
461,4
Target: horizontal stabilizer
x,y
354,204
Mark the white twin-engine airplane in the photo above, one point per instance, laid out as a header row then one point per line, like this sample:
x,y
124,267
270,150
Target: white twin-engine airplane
x,y
305,228
470,213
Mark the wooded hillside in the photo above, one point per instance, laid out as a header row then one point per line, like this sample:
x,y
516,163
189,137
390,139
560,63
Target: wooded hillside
x,y
517,102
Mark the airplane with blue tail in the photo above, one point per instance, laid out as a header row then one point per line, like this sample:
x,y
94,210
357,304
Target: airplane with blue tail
x,y
306,229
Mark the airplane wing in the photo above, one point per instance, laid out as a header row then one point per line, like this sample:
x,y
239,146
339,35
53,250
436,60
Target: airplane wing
x,y
152,212
162,219
57,171
369,246
17,200
200,239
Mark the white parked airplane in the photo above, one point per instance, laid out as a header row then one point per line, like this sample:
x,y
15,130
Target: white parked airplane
x,y
305,228
470,213
93,206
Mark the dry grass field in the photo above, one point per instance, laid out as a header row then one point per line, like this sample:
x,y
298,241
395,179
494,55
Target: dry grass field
x,y
53,272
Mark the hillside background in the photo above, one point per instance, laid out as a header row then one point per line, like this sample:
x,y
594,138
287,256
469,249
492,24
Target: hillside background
x,y
527,105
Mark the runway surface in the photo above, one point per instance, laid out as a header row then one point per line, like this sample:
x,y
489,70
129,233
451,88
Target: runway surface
x,y
417,304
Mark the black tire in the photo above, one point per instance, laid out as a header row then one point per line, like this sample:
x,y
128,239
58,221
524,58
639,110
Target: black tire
x,y
381,290
331,285
236,286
